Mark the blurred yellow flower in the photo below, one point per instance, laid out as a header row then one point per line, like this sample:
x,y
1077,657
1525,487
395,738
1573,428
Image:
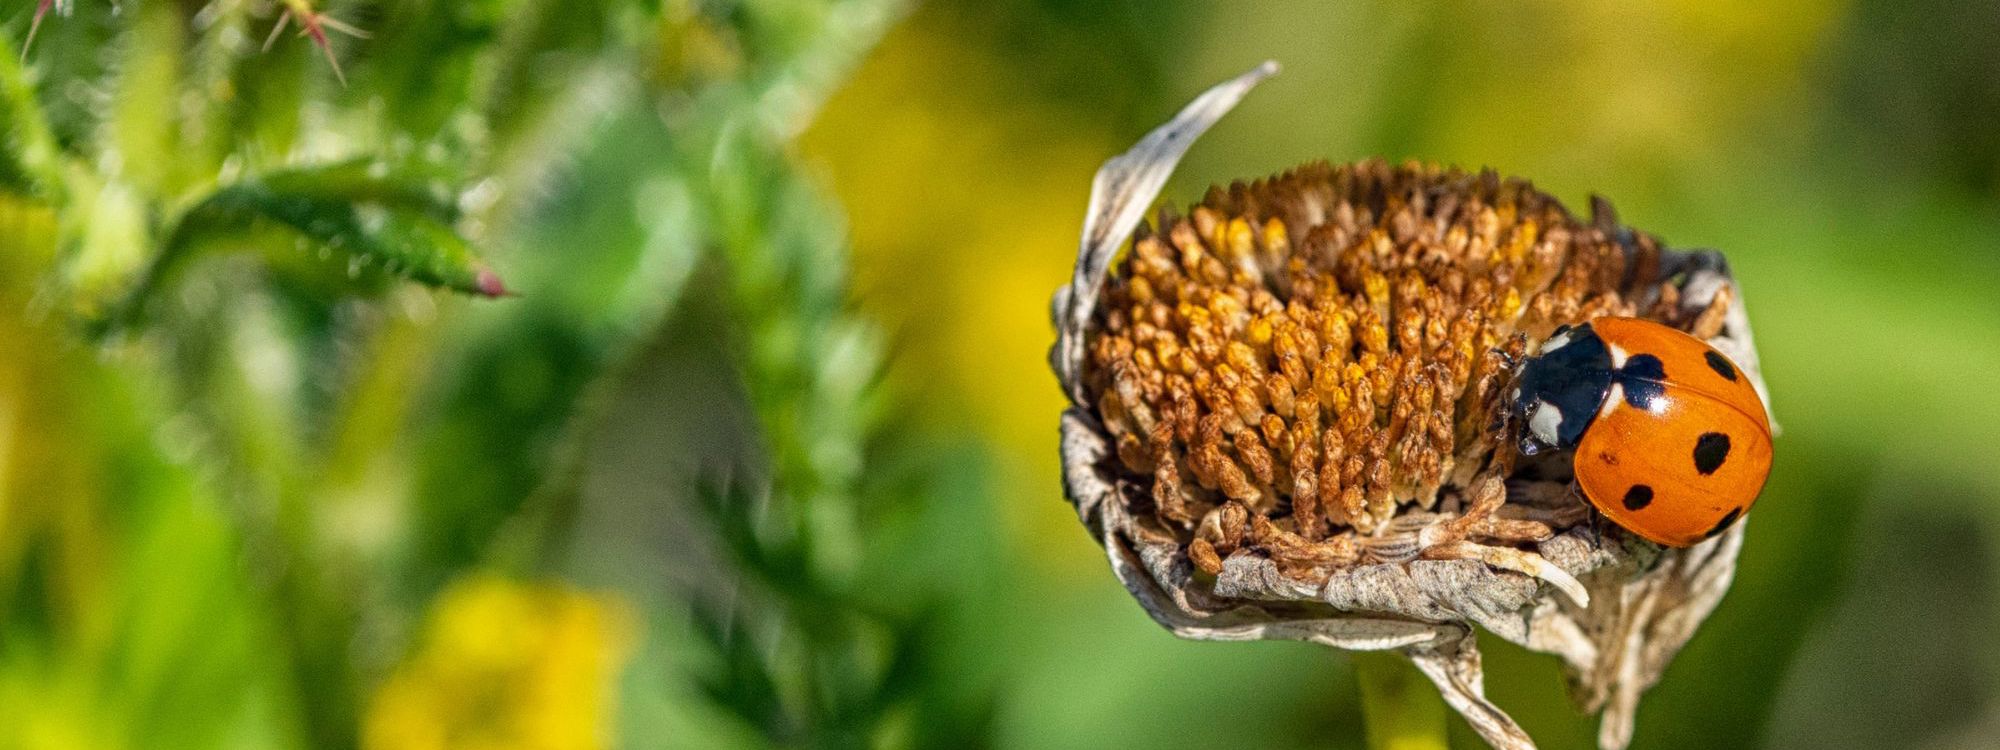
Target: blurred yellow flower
x,y
504,664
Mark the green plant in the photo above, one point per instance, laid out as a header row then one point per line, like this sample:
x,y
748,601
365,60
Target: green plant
x,y
280,260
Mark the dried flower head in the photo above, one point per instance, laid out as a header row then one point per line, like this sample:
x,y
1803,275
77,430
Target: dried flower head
x,y
1287,416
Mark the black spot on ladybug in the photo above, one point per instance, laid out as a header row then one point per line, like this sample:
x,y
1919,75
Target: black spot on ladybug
x,y
1644,366
1638,497
1644,378
1720,365
1641,394
1710,451
1724,523
1609,459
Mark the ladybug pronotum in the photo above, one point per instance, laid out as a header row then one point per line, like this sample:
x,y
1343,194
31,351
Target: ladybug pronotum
x,y
1670,439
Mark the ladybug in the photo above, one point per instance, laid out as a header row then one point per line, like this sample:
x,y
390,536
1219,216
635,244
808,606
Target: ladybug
x,y
1670,440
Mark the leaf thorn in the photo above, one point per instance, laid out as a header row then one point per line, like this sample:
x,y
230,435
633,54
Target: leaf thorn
x,y
490,285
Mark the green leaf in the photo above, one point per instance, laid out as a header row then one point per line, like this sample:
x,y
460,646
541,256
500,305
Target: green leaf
x,y
419,187
30,161
371,222
367,214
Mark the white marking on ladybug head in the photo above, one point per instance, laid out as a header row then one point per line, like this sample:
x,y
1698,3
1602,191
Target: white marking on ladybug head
x,y
1617,355
1613,398
1542,423
1557,341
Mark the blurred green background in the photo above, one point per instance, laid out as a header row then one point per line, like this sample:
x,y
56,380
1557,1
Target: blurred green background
x,y
760,451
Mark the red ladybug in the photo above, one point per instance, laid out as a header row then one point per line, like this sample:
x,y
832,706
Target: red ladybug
x,y
1671,441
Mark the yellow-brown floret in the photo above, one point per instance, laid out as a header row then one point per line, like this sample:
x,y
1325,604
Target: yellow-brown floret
x,y
1298,360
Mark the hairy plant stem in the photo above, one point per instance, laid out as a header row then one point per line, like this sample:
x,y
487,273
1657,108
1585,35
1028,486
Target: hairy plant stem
x,y
1399,708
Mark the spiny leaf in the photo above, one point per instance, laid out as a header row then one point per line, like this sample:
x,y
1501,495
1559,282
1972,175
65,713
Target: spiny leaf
x,y
41,11
365,212
372,222
314,23
419,187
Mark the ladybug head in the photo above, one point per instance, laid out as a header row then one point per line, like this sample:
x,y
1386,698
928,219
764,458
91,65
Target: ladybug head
x,y
1557,391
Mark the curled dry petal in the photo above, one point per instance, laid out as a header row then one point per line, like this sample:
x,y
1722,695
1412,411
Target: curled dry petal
x,y
1285,405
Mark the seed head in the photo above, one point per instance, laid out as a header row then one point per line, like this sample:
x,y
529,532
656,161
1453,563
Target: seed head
x,y
1323,349
1287,415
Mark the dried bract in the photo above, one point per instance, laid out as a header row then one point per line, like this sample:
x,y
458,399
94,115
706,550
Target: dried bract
x,y
1287,415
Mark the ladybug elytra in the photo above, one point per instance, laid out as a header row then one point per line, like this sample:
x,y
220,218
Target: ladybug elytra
x,y
1670,439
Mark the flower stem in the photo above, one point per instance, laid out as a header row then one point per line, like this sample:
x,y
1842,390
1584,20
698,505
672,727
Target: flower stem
x,y
1399,708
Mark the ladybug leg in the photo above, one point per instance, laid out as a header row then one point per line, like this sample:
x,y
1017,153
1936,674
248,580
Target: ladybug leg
x,y
1692,261
1515,350
1507,425
1595,518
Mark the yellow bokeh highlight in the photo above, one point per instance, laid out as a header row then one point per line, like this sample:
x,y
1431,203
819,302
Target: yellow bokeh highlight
x,y
504,665
1603,86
